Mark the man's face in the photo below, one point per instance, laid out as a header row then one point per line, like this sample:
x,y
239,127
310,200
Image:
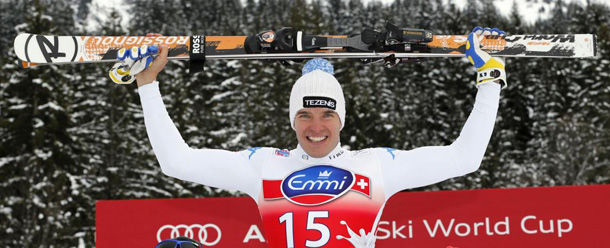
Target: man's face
x,y
317,130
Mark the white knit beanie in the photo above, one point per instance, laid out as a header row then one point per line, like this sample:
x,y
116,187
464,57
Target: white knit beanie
x,y
317,87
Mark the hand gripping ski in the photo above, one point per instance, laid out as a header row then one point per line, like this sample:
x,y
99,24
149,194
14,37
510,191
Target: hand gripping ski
x,y
489,68
131,62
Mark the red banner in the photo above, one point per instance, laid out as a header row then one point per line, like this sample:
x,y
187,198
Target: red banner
x,y
574,216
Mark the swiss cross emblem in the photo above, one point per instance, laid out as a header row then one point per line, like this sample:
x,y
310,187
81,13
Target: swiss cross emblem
x,y
362,185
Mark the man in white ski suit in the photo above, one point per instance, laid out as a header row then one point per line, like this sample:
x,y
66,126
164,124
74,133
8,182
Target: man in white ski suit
x,y
320,194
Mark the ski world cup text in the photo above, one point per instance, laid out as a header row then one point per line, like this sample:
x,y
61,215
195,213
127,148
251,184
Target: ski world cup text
x,y
439,228
211,234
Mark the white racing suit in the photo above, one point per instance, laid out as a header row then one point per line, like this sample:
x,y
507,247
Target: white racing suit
x,y
333,201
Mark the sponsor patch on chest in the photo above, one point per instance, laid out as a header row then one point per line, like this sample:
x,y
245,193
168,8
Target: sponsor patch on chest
x,y
316,185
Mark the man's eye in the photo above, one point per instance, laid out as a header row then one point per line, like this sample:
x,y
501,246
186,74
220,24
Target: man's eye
x,y
304,116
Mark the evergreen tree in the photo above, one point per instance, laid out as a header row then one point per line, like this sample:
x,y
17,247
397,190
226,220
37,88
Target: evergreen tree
x,y
43,188
12,15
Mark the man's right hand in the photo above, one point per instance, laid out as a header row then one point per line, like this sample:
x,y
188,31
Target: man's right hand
x,y
150,74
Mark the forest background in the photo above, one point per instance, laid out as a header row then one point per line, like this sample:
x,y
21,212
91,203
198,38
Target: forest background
x,y
69,136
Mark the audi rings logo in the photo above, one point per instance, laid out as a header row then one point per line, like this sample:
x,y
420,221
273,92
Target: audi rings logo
x,y
203,233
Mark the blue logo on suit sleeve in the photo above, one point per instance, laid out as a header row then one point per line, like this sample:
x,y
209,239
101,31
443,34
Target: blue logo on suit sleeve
x,y
391,151
252,151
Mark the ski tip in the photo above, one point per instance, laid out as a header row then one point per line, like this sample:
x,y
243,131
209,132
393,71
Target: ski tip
x,y
26,64
19,45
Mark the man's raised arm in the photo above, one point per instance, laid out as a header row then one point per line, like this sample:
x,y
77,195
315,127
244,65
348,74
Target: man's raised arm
x,y
429,165
212,167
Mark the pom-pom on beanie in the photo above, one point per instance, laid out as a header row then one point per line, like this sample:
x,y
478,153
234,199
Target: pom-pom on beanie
x,y
317,88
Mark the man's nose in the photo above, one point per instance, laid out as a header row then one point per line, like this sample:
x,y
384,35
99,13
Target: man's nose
x,y
316,125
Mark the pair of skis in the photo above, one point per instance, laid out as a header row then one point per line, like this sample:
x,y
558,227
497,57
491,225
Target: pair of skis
x,y
392,46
